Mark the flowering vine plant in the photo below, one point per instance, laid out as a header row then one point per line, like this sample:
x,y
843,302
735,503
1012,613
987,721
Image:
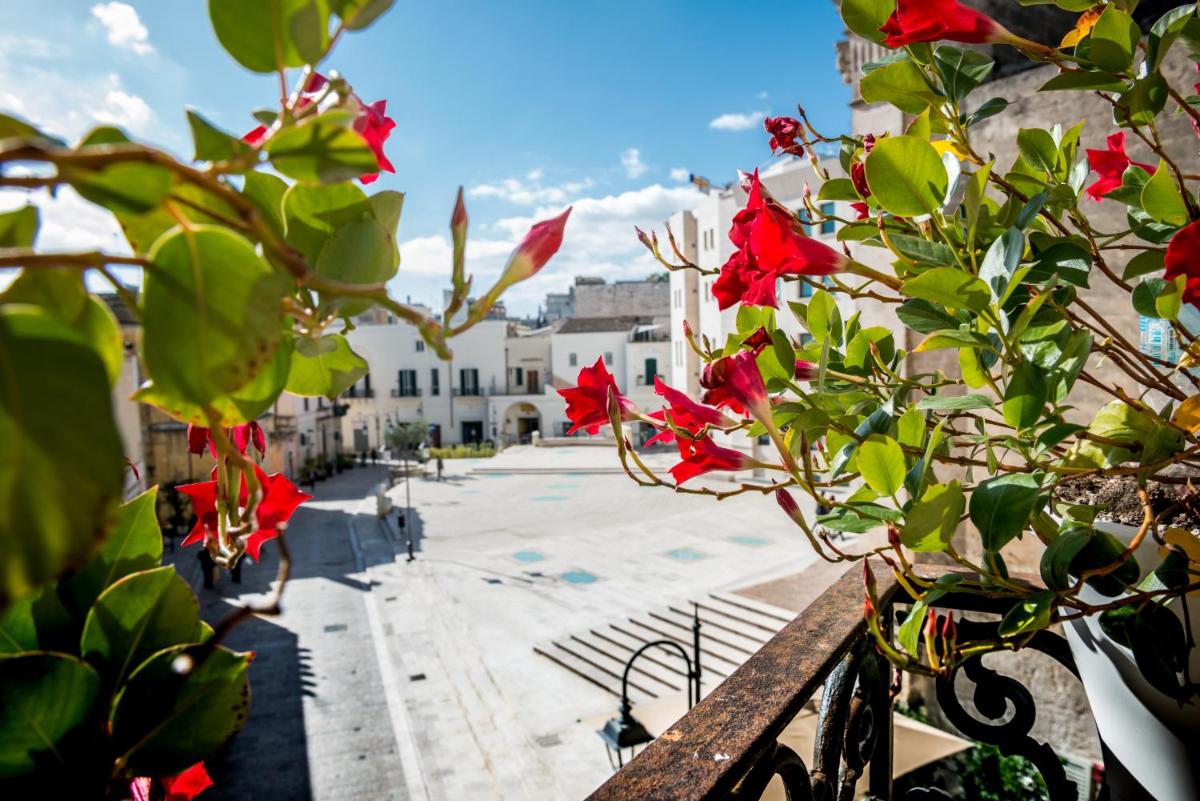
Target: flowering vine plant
x,y
253,257
996,264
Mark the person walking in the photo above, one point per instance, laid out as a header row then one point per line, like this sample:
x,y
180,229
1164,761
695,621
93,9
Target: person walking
x,y
440,466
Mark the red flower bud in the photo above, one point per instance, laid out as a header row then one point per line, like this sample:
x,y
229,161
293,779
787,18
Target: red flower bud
x,y
858,177
704,456
458,218
1110,164
543,241
806,371
687,329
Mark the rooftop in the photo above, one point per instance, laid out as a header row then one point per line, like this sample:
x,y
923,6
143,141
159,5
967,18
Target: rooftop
x,y
596,325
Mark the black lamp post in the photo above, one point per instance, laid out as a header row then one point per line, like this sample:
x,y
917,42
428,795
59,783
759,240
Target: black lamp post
x,y
625,731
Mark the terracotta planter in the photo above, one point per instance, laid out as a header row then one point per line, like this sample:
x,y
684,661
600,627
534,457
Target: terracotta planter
x,y
1151,743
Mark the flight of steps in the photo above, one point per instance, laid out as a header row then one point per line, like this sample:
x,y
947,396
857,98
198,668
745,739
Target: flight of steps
x,y
731,629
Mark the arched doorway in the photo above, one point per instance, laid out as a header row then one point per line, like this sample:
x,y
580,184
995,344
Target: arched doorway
x,y
520,421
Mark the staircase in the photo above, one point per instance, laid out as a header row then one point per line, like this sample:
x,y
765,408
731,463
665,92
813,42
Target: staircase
x,y
731,629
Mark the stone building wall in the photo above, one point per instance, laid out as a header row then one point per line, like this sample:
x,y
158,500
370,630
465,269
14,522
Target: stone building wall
x,y
622,298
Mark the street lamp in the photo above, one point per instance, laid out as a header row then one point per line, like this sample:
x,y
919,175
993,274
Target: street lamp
x,y
625,731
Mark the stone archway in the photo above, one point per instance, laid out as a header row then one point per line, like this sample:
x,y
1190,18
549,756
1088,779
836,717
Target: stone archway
x,y
519,422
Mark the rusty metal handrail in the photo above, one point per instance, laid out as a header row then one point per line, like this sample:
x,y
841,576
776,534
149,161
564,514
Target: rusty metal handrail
x,y
727,746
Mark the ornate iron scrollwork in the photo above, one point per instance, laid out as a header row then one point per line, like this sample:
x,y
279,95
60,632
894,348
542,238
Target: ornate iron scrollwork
x,y
995,695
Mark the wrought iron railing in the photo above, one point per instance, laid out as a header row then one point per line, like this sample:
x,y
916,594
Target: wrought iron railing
x,y
728,746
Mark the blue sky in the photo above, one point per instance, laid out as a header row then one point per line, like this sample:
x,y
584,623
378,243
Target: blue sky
x,y
529,104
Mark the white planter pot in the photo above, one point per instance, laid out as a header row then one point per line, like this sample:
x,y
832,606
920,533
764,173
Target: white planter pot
x,y
1149,739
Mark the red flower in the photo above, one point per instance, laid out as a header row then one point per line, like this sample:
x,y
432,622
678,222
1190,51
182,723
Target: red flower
x,y
182,787
1183,258
242,436
539,245
806,371
770,245
703,456
933,20
1110,165
683,413
587,403
783,131
370,122
735,382
862,210
280,498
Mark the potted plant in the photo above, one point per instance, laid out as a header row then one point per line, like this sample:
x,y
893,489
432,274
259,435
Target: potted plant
x,y
1039,403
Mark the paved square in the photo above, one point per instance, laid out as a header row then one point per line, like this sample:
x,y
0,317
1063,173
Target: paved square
x,y
390,679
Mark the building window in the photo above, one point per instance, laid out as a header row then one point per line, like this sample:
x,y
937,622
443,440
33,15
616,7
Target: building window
x,y
434,387
806,289
420,346
573,360
806,339
518,376
651,370
406,384
306,404
828,226
608,357
468,381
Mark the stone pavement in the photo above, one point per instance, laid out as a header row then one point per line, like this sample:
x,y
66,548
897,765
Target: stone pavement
x,y
389,679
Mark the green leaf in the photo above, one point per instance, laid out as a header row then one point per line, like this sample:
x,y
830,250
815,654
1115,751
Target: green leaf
x,y
823,317
1028,615
1165,31
1145,296
881,463
930,524
62,294
44,697
859,518
1001,507
358,14
1001,261
961,70
1142,102
1086,81
866,17
858,349
1144,263
900,83
953,339
1070,261
164,721
19,227
1161,198
211,312
1024,397
956,403
1056,560
909,632
213,144
950,287
910,428
124,188
135,543
263,35
324,367
906,176
360,252
921,250
135,618
987,109
923,317
1038,148
838,189
266,192
39,622
1114,40
322,149
63,467
11,127
1159,647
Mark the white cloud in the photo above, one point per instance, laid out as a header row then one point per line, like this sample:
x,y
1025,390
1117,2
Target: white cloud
x,y
680,174
631,160
122,27
737,122
762,95
61,102
431,255
530,191
68,222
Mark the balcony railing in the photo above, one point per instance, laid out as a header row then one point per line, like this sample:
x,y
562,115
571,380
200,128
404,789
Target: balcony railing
x,y
728,746
407,392
354,393
283,425
470,392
